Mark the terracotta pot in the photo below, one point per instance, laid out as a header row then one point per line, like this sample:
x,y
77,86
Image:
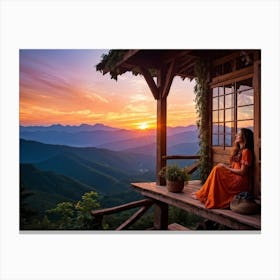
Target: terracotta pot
x,y
175,186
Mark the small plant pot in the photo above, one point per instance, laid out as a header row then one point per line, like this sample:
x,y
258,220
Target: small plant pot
x,y
175,186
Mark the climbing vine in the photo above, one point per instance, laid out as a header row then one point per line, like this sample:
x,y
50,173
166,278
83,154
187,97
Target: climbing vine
x,y
201,99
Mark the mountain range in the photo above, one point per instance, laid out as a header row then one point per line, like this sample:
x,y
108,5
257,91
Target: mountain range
x,y
66,161
102,136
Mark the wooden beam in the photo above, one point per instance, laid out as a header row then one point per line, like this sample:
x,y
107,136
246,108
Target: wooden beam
x,y
134,217
181,157
233,76
150,81
185,69
168,79
126,56
173,54
185,63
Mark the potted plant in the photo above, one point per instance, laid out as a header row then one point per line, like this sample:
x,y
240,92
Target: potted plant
x,y
175,177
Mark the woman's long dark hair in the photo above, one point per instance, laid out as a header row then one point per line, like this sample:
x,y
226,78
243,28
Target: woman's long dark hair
x,y
248,139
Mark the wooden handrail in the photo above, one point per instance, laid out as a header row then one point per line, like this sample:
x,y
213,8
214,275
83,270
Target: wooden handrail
x,y
119,208
180,157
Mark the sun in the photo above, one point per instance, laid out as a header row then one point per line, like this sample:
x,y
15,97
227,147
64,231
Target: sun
x,y
143,126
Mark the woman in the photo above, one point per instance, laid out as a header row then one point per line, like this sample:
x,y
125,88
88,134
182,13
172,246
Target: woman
x,y
226,181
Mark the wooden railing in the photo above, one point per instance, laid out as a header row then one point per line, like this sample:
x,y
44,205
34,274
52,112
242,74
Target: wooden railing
x,y
181,157
144,203
191,168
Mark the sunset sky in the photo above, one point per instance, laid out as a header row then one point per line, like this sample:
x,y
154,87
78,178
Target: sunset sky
x,y
63,86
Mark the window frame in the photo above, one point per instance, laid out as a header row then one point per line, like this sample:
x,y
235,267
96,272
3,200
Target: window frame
x,y
235,121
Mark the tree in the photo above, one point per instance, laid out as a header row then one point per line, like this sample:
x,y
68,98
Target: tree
x,y
68,215
27,214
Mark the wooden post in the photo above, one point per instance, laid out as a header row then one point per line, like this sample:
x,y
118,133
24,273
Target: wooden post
x,y
161,215
161,126
257,128
161,139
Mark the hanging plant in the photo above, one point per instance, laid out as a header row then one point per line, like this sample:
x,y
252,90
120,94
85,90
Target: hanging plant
x,y
201,91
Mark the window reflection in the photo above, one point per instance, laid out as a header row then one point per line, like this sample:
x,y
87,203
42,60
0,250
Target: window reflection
x,y
245,124
245,112
221,128
221,102
229,100
229,139
229,127
214,128
215,141
215,116
244,85
221,115
229,88
245,97
215,92
221,91
215,103
221,139
229,115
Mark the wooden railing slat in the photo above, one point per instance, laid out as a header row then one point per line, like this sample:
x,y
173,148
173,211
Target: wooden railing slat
x,y
134,217
122,207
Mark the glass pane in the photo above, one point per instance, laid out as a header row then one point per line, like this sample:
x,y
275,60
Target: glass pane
x,y
245,97
215,103
246,112
221,115
221,91
245,124
221,139
215,140
229,100
229,128
215,117
215,128
215,92
221,102
221,128
244,85
229,140
229,115
229,88
230,134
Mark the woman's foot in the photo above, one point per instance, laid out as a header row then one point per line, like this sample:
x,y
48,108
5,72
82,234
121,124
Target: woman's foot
x,y
194,196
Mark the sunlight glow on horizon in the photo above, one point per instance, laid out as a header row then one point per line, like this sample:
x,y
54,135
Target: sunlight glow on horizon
x,y
143,126
63,87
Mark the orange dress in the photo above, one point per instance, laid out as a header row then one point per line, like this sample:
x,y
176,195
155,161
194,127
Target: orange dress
x,y
221,184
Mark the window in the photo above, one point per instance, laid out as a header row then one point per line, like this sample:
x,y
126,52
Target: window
x,y
232,109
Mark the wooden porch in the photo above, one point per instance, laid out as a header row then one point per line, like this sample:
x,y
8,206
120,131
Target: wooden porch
x,y
231,73
162,198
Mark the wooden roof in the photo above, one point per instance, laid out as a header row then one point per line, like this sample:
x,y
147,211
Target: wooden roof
x,y
154,60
